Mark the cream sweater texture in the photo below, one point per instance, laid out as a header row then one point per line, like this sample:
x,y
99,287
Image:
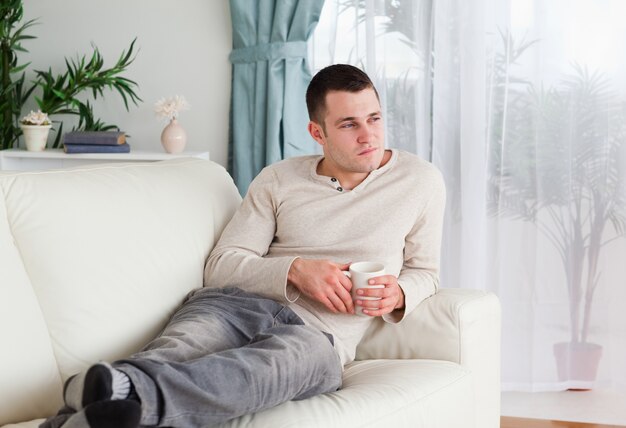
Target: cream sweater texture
x,y
393,217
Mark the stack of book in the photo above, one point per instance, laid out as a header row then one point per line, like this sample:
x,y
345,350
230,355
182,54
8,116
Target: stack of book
x,y
95,142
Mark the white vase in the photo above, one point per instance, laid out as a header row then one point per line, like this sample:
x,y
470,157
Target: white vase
x,y
35,136
174,137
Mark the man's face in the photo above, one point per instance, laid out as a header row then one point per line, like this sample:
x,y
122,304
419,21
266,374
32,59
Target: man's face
x,y
353,134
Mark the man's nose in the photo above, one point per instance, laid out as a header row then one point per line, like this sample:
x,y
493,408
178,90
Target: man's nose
x,y
366,133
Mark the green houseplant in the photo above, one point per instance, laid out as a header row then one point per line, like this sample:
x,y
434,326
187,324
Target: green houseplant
x,y
61,94
12,93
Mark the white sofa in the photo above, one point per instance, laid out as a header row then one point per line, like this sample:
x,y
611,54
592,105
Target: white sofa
x,y
93,261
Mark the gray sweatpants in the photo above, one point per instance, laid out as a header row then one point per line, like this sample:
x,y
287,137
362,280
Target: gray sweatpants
x,y
226,353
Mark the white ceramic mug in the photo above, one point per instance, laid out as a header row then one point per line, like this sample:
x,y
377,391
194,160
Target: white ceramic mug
x,y
360,273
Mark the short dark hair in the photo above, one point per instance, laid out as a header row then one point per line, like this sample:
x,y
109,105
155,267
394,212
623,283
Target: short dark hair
x,y
338,77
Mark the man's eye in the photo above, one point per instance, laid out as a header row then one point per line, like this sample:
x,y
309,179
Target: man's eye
x,y
347,125
375,118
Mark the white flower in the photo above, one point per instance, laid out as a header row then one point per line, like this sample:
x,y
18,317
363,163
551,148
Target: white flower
x,y
37,118
170,108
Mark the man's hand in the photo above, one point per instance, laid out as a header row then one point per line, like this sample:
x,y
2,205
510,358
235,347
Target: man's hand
x,y
392,296
323,281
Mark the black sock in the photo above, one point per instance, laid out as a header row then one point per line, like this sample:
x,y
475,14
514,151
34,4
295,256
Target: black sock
x,y
107,414
98,385
100,382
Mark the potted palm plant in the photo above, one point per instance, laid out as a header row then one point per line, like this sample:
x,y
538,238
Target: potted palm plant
x,y
561,171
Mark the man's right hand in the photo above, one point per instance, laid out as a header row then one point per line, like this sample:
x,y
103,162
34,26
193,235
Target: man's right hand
x,y
323,281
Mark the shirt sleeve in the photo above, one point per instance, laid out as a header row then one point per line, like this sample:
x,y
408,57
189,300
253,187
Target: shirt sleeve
x,y
419,277
238,259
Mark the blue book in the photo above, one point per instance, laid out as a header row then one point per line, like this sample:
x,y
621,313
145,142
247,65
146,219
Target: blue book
x,y
99,138
91,148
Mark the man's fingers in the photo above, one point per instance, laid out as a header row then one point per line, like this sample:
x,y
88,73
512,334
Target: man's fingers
x,y
346,298
375,312
325,282
337,303
373,292
340,297
344,293
377,308
378,304
370,303
326,302
344,290
382,299
345,282
382,280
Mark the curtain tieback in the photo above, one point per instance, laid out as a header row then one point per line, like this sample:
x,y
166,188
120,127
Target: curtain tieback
x,y
277,50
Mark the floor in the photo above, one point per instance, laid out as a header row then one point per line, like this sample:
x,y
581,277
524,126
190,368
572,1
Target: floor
x,y
509,422
596,406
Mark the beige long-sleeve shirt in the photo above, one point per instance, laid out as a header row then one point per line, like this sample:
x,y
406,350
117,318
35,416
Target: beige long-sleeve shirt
x,y
393,217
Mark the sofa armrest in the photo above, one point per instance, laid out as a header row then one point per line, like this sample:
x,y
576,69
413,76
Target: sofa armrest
x,y
458,325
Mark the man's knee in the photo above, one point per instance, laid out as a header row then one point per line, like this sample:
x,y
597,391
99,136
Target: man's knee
x,y
317,337
309,343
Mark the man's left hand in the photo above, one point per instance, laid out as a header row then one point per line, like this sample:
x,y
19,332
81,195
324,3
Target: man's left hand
x,y
392,296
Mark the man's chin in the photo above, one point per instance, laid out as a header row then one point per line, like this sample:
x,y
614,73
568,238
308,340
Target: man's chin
x,y
369,168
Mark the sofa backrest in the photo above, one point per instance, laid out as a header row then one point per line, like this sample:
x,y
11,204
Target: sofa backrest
x,y
93,261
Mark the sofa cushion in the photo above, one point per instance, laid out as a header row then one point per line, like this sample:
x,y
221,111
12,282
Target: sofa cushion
x,y
110,252
402,393
26,357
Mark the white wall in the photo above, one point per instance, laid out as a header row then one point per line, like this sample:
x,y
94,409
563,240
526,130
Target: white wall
x,y
183,50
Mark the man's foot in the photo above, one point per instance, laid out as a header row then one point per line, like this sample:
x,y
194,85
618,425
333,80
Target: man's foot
x,y
100,382
107,414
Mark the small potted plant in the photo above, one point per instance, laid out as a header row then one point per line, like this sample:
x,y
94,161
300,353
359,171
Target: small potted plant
x,y
173,136
35,127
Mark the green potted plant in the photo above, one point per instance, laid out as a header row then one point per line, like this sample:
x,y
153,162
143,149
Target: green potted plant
x,y
12,77
57,94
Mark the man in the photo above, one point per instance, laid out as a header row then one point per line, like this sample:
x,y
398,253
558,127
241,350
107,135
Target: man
x,y
276,320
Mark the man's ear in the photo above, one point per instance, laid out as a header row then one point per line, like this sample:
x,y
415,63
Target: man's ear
x,y
316,132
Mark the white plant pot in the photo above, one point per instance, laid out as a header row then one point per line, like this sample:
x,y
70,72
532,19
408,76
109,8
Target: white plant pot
x,y
578,363
35,136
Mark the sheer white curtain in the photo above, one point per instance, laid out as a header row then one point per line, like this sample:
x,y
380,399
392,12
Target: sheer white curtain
x,y
522,105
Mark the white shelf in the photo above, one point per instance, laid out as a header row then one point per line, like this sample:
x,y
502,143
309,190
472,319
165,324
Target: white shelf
x,y
22,160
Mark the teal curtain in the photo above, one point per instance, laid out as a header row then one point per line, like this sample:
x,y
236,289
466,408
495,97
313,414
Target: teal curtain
x,y
268,115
